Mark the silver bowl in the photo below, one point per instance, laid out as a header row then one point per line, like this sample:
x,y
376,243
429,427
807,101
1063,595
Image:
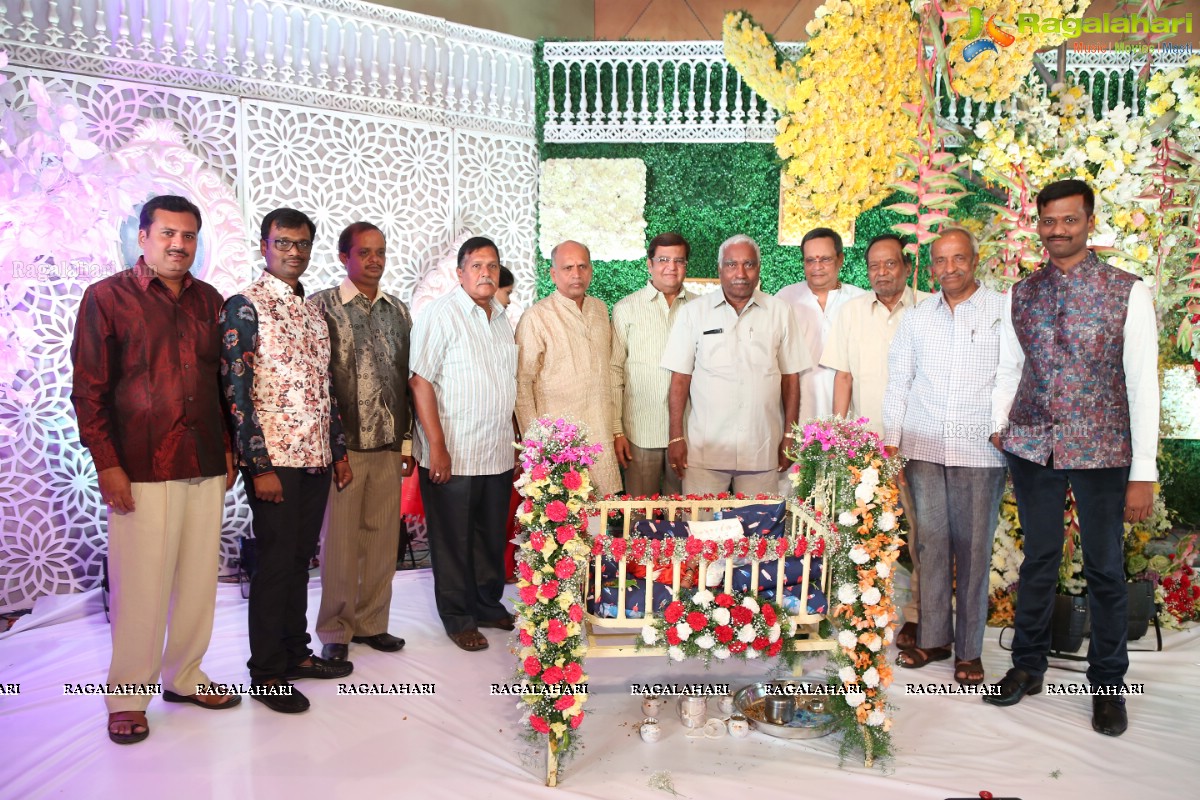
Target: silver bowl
x,y
809,719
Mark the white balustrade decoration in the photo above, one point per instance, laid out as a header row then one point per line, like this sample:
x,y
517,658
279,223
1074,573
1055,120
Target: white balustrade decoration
x,y
687,92
339,54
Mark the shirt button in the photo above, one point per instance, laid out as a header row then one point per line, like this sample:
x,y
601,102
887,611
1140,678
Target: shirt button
x,y
189,398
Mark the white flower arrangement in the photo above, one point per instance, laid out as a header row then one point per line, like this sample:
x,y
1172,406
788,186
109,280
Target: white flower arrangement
x,y
597,201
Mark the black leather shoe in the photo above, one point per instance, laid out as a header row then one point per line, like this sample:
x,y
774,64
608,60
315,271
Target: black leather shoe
x,y
380,641
505,623
1012,687
335,652
320,668
280,696
1108,715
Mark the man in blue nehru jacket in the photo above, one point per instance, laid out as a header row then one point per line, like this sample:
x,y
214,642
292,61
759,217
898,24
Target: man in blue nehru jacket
x,y
1076,405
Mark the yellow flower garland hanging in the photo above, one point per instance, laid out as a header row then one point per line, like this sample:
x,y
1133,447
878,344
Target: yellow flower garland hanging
x,y
842,130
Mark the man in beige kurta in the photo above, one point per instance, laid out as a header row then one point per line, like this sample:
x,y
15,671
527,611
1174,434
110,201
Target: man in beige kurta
x,y
563,349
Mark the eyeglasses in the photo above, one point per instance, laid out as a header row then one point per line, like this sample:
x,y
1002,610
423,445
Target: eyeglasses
x,y
891,263
742,264
285,245
824,261
662,261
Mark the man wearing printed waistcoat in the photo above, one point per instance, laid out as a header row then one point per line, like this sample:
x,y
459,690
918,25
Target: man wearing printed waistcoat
x,y
1076,404
275,359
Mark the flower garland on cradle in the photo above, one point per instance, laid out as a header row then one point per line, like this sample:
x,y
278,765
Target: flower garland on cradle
x,y
555,457
728,624
843,466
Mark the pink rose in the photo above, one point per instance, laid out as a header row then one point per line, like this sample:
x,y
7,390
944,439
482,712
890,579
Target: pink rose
x,y
525,638
538,473
549,590
557,511
572,480
618,548
538,724
565,702
575,720
573,672
556,631
532,666
528,594
565,568
552,676
575,612
525,571
537,540
564,534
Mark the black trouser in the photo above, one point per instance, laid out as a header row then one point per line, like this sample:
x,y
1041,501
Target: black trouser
x,y
467,518
286,534
1100,502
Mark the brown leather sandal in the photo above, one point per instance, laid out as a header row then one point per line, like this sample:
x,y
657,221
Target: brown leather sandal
x,y
471,640
906,637
916,657
969,673
132,717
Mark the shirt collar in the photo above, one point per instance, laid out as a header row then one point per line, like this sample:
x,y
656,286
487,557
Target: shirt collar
x,y
145,274
652,295
567,302
940,299
280,288
1084,268
470,306
347,291
756,299
907,298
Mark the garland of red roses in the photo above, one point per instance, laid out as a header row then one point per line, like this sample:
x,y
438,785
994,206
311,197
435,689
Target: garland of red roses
x,y
644,550
723,625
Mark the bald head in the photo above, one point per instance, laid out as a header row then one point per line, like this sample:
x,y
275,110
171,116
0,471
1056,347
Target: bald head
x,y
571,270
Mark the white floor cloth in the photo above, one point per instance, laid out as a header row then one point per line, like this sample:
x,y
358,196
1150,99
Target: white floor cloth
x,y
464,742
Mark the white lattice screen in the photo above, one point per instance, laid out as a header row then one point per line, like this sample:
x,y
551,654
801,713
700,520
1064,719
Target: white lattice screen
x,y
382,152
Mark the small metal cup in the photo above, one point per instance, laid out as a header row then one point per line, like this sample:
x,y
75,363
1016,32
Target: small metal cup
x,y
778,710
739,726
650,730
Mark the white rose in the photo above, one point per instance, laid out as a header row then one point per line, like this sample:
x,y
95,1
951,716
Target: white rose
x,y
721,616
746,634
847,675
858,555
864,493
887,521
649,635
888,635
847,518
684,630
881,620
774,632
721,652
874,643
847,639
871,677
676,653
869,476
847,593
871,596
882,569
706,641
751,652
855,699
875,718
751,604
703,598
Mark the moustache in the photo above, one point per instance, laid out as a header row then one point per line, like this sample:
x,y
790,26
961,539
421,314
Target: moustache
x,y
485,282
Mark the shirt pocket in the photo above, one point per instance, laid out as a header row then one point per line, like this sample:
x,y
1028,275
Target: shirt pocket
x,y
717,354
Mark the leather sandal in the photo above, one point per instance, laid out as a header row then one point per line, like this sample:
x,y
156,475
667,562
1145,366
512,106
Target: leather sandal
x,y
906,637
471,640
916,657
230,700
134,736
969,673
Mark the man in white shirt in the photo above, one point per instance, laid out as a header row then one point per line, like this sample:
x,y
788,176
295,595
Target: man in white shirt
x,y
1076,405
816,301
736,356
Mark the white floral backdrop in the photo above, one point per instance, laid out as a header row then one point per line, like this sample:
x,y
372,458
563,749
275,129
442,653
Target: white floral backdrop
x,y
423,182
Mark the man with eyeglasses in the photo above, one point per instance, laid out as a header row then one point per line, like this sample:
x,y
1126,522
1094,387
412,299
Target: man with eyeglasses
x,y
858,351
564,345
641,324
816,301
736,356
1076,406
275,362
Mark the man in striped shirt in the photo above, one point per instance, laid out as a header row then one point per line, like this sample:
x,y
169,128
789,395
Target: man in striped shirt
x,y
464,387
641,323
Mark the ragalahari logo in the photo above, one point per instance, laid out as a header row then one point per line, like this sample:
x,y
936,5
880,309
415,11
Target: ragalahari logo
x,y
985,35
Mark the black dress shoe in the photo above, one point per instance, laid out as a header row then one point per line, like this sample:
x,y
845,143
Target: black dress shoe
x,y
335,652
505,623
1012,687
320,668
280,696
380,641
1108,715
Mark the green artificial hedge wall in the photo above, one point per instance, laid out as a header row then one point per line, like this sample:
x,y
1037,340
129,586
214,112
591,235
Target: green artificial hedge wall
x,y
1179,465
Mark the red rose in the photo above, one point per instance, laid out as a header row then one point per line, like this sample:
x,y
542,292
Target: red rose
x,y
572,480
555,631
532,666
769,615
526,639
527,507
775,648
573,672
744,548
760,642
538,473
525,572
528,594
673,611
781,548
673,636
557,511
693,546
727,548
565,568
697,620
724,634
737,646
618,548
820,548
564,534
597,546
741,615
725,600
575,720
575,612
760,552
565,702
801,546
549,590
537,540
710,551
552,676
668,548
538,724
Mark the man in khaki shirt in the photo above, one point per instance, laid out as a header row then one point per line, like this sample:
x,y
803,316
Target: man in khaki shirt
x,y
641,323
564,348
737,357
858,350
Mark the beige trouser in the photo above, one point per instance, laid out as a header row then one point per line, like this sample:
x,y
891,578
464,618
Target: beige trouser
x,y
911,609
359,548
649,474
163,559
697,480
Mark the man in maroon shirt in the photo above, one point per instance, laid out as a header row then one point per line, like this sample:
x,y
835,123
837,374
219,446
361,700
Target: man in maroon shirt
x,y
147,397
